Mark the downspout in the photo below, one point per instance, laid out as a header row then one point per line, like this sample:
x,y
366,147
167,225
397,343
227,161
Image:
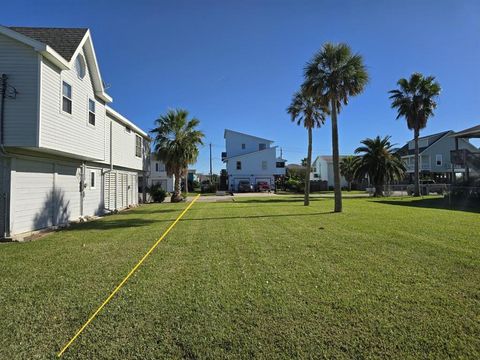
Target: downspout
x,y
4,153
82,187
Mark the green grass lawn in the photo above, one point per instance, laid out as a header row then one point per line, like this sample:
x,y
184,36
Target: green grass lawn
x,y
255,278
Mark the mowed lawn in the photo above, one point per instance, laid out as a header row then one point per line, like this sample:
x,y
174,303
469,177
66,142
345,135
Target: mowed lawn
x,y
256,278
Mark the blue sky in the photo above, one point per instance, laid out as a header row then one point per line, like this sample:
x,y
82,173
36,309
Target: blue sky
x,y
235,64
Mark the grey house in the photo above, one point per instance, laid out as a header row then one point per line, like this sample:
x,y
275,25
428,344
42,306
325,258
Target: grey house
x,y
64,153
435,151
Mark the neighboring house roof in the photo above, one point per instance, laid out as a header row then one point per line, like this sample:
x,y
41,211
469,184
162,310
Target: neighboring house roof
x,y
252,136
473,132
432,139
280,159
250,153
64,41
295,166
328,158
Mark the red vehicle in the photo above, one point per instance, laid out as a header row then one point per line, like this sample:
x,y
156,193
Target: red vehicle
x,y
263,186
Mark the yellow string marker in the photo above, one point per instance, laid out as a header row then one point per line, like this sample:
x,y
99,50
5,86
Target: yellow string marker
x,y
127,277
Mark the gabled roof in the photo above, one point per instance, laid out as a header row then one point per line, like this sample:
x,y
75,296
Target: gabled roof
x,y
243,134
473,132
328,158
432,139
60,46
64,41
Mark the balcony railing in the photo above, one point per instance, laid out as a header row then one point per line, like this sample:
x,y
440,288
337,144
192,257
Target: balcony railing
x,y
463,157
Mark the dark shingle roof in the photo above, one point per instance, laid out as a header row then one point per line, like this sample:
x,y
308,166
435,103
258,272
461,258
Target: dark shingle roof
x,y
63,40
404,150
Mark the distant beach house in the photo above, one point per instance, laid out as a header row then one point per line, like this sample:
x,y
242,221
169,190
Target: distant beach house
x,y
251,158
322,170
435,156
157,174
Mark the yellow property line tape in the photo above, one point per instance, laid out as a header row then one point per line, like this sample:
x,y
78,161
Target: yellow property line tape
x,y
126,278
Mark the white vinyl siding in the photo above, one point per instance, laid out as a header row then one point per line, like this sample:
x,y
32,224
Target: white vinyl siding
x,y
21,64
123,146
67,133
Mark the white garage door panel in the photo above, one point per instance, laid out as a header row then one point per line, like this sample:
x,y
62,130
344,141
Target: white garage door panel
x,y
67,190
33,192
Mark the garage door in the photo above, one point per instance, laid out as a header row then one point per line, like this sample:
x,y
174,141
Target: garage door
x,y
67,190
33,195
44,194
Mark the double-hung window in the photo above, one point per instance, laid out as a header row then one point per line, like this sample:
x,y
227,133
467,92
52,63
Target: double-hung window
x,y
91,112
138,146
439,159
67,97
239,165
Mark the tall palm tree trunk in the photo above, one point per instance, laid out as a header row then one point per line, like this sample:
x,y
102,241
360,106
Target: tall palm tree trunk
x,y
177,187
186,180
336,159
417,168
306,200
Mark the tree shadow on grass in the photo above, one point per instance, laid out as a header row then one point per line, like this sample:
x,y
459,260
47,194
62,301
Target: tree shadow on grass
x,y
106,224
435,203
257,216
147,211
267,200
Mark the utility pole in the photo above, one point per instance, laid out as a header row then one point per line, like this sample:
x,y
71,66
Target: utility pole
x,y
281,153
211,174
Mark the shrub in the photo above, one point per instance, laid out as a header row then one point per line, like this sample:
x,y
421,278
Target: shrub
x,y
157,193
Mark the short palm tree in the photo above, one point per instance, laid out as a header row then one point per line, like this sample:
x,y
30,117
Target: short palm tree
x,y
335,74
379,163
415,100
348,169
176,142
307,111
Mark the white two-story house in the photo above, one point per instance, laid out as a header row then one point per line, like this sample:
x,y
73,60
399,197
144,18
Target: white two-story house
x,y
64,152
251,158
434,161
322,170
157,174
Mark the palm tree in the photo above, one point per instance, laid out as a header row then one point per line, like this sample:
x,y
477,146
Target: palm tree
x,y
335,74
348,169
415,100
379,163
309,112
176,142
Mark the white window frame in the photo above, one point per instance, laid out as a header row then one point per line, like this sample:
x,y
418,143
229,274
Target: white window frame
x,y
69,98
93,176
84,64
437,157
90,112
138,148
